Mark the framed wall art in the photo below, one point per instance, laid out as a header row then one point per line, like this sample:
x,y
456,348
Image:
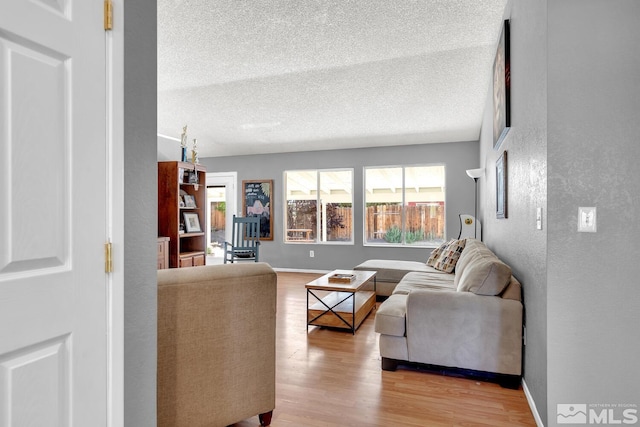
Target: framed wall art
x,y
257,200
501,186
502,89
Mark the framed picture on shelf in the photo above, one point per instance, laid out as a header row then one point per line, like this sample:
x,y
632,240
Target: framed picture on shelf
x,y
501,186
257,201
191,222
189,201
502,89
193,177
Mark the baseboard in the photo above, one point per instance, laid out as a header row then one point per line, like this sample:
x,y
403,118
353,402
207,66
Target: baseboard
x,y
532,404
299,270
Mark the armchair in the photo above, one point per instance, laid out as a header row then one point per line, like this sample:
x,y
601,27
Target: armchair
x,y
216,345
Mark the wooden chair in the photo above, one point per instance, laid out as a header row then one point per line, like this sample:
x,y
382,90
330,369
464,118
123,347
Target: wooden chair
x,y
245,240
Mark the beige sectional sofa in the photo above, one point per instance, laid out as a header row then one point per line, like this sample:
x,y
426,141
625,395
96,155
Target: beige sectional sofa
x,y
468,321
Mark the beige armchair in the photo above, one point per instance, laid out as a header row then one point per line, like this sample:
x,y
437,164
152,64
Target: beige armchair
x,y
216,344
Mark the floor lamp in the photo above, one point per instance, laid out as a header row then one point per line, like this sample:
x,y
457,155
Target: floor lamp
x,y
475,174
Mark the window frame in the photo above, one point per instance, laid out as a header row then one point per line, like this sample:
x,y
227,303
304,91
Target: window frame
x,y
319,219
403,243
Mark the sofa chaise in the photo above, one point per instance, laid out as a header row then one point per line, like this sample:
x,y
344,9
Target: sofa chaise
x,y
390,272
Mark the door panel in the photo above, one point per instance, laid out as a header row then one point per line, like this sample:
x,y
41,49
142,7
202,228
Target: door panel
x,y
53,215
36,158
38,375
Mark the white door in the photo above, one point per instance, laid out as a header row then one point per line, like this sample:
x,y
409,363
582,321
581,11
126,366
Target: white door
x,y
53,334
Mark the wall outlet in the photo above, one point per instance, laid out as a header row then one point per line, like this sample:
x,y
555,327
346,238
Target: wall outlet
x,y
311,254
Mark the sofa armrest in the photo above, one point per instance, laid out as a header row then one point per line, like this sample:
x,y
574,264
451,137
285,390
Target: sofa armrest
x,y
462,329
216,344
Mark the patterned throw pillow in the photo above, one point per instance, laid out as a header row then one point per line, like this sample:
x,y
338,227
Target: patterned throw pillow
x,y
435,254
449,257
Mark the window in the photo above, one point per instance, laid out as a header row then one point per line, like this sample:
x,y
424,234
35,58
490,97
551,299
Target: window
x,y
404,205
319,206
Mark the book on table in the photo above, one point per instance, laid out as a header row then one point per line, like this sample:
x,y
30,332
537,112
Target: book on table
x,y
341,278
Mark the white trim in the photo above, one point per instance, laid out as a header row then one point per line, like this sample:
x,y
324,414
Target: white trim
x,y
230,182
394,245
532,404
315,242
320,230
114,43
404,167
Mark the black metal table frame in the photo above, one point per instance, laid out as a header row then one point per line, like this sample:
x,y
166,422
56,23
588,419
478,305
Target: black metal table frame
x,y
351,326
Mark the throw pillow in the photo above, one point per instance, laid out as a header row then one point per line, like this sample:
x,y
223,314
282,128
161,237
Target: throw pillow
x,y
449,257
485,276
435,254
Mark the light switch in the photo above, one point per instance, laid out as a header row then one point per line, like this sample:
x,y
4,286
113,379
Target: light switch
x,y
587,220
539,218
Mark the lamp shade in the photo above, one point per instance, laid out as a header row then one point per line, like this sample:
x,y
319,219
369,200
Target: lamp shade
x,y
475,173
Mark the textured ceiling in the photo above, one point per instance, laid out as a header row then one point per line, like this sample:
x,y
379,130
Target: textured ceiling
x,y
258,76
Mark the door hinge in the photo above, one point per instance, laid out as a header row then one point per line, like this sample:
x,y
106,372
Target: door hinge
x,y
108,15
108,261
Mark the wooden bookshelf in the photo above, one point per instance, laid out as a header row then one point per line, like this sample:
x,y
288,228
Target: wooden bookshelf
x,y
175,179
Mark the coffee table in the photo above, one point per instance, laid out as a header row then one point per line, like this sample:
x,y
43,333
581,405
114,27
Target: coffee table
x,y
340,305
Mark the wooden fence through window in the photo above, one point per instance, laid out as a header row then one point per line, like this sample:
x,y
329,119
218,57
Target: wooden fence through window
x,y
379,220
217,218
341,232
426,218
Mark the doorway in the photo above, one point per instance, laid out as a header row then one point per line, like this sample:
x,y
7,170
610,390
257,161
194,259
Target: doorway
x,y
217,204
221,206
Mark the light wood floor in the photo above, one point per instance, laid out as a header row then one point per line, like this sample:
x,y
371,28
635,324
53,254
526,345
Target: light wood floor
x,y
332,378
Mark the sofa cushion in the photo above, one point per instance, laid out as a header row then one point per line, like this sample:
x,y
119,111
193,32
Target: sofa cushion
x,y
394,270
390,316
435,281
435,254
472,249
513,290
449,257
480,271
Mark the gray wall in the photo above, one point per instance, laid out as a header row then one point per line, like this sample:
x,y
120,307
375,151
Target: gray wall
x,y
573,142
460,196
140,212
593,152
515,239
